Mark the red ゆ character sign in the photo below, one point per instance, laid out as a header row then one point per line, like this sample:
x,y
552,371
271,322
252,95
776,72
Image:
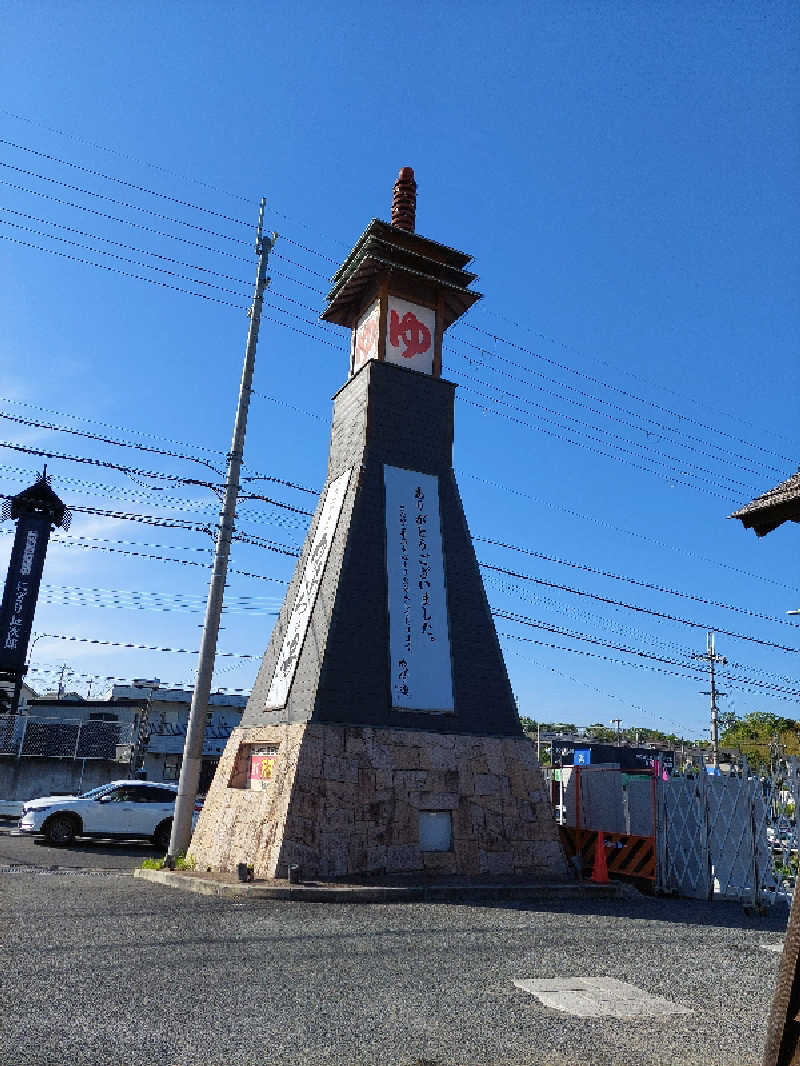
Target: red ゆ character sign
x,y
410,331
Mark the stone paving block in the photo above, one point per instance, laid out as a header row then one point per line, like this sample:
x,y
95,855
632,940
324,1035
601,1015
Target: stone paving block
x,y
599,997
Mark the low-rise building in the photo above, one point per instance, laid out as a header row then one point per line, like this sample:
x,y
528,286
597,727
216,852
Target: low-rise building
x,y
159,752
136,729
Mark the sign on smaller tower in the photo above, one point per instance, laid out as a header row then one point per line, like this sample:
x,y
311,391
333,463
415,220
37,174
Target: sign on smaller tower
x,y
36,511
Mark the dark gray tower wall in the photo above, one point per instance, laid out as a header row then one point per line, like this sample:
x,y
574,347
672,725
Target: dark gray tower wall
x,y
386,414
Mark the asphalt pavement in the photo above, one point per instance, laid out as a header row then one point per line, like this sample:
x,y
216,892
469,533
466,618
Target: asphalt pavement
x,y
101,968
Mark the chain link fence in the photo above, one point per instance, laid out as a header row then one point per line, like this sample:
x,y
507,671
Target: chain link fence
x,y
62,738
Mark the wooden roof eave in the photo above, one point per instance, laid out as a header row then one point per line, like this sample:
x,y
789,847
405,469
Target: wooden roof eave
x,y
345,301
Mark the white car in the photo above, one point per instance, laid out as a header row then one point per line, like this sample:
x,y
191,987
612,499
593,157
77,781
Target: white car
x,y
123,809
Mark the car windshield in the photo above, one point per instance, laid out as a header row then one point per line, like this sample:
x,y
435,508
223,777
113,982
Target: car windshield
x,y
93,793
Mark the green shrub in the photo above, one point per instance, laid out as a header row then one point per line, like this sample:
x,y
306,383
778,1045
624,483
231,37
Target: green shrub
x,y
181,863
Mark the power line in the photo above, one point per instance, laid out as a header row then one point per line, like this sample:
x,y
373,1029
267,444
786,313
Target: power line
x,y
123,203
302,266
639,609
157,166
673,475
291,407
127,259
314,251
510,616
46,672
88,435
123,273
68,539
605,658
628,532
142,647
67,543
549,627
602,383
138,599
124,155
136,445
606,624
494,542
125,221
487,540
106,464
117,244
670,473
482,310
633,581
121,181
661,430
112,425
671,478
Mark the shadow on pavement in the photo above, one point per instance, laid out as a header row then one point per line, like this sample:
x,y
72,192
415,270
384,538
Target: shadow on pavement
x,y
720,914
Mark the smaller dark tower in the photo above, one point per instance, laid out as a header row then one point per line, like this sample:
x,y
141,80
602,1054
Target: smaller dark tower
x,y
37,511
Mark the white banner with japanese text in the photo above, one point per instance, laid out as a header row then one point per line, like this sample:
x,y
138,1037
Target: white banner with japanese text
x,y
307,592
419,638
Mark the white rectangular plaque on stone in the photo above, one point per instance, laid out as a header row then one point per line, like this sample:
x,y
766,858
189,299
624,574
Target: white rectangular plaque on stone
x,y
307,592
419,639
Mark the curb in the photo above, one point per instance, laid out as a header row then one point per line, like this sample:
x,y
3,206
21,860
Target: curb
x,y
349,893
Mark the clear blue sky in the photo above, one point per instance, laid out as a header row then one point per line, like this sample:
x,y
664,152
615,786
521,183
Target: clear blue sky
x,y
626,178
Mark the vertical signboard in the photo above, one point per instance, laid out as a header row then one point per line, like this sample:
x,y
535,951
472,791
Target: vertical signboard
x,y
410,333
22,589
419,638
307,592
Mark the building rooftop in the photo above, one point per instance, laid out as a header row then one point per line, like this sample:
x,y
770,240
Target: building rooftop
x,y
773,508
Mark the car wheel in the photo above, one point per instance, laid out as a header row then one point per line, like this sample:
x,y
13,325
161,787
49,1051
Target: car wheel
x,y
60,829
162,834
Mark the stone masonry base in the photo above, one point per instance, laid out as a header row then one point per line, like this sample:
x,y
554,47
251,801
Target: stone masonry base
x,y
345,801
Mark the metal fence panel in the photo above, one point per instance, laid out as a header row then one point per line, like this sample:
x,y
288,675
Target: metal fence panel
x,y
684,863
731,835
61,738
58,739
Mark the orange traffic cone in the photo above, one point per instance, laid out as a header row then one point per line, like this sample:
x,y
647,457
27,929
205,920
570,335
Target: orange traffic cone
x,y
600,868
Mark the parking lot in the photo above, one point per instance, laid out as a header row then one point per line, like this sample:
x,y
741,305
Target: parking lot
x,y
101,968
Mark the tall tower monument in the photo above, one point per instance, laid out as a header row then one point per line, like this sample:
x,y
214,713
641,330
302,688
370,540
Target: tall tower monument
x,y
381,735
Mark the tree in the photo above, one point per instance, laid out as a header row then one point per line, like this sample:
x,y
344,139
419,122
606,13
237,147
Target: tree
x,y
598,731
727,720
762,737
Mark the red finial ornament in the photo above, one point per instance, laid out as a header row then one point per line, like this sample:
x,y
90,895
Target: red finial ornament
x,y
404,200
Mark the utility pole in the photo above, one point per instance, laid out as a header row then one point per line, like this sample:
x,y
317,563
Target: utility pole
x,y
61,686
196,726
711,658
617,722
